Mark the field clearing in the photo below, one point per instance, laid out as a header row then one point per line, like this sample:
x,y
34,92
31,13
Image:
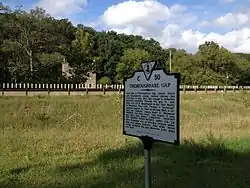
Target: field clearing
x,y
77,141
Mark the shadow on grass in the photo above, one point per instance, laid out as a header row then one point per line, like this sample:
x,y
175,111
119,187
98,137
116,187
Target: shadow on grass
x,y
190,165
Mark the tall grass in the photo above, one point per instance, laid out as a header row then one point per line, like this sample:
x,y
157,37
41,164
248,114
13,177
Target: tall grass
x,y
66,141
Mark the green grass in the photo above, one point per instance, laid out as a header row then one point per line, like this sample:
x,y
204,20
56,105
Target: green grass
x,y
41,146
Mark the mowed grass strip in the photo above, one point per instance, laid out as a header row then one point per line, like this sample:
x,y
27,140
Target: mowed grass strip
x,y
77,141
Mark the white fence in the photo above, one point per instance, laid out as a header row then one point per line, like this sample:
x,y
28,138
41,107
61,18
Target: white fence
x,y
43,86
57,86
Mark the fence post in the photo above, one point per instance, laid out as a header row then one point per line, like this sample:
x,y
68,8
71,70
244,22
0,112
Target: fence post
x,y
49,90
3,86
69,91
120,89
87,90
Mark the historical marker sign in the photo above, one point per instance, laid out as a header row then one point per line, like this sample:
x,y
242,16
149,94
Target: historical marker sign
x,y
151,104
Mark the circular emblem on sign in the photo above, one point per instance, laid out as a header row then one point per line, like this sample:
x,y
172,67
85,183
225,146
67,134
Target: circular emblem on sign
x,y
147,68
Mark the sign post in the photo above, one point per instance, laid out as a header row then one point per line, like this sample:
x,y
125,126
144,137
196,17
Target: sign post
x,y
151,109
147,145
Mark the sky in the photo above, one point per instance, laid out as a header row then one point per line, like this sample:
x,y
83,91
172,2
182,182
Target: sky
x,y
183,24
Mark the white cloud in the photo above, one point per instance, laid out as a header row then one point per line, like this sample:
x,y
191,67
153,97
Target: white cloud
x,y
132,12
62,8
141,18
236,41
145,18
173,26
233,19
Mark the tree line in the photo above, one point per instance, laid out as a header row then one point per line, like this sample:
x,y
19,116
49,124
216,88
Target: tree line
x,y
33,46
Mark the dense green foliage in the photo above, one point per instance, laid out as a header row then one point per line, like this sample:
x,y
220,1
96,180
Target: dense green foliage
x,y
33,46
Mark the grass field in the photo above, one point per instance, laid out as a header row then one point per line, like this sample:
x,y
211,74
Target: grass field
x,y
41,146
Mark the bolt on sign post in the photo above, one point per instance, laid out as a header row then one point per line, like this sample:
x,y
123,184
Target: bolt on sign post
x,y
151,109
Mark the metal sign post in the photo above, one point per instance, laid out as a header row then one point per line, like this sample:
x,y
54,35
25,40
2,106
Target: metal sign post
x,y
147,145
151,109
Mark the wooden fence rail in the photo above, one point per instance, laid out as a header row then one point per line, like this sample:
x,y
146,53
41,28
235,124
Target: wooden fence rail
x,y
42,87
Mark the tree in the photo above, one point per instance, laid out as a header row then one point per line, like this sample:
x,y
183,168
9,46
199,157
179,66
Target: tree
x,y
105,80
4,16
219,64
33,45
131,61
50,67
31,32
110,49
243,62
81,55
17,61
187,65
